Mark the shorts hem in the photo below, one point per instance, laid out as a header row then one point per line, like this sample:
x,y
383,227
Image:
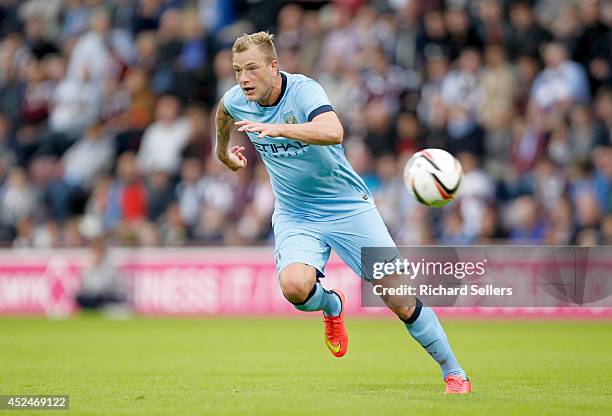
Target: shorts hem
x,y
306,219
279,268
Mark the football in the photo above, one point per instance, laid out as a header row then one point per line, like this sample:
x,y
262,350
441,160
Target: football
x,y
433,177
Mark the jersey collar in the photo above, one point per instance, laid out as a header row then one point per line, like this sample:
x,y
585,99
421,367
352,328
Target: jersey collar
x,y
282,93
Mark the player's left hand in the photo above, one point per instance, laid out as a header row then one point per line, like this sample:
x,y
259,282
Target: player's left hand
x,y
264,129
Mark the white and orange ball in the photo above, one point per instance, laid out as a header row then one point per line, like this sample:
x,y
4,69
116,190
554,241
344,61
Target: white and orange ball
x,y
433,177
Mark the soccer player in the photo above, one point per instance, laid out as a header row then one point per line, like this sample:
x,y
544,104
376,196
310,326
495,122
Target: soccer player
x,y
321,203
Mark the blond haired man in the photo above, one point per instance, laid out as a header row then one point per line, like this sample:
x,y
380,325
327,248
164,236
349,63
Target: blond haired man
x,y
321,203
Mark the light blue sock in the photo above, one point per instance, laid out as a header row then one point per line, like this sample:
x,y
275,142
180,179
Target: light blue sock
x,y
320,299
428,332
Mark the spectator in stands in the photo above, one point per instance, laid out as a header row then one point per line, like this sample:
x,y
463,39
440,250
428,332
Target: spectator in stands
x,y
382,80
189,192
491,27
102,284
594,44
194,80
101,52
461,95
431,106
559,148
14,56
528,145
561,230
462,33
380,134
606,233
388,194
496,105
585,132
289,27
89,157
561,83
18,199
344,88
76,19
497,108
169,45
341,39
125,208
602,177
524,36
141,101
172,230
433,35
76,104
311,42
138,105
35,32
147,15
164,140
477,193
160,194
548,184
146,44
37,94
46,10
409,134
254,224
7,155
603,110
217,202
588,211
527,223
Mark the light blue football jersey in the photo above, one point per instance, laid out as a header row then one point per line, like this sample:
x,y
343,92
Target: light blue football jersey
x,y
309,181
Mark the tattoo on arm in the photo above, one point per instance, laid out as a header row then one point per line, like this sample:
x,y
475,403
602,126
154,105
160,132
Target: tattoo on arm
x,y
224,126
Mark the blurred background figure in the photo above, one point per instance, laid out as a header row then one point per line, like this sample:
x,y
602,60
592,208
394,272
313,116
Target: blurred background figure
x,y
164,140
102,284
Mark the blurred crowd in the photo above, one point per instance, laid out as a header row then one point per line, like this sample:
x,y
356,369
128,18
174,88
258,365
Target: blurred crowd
x,y
107,106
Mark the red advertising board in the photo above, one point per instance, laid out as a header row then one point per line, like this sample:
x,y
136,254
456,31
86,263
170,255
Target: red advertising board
x,y
197,281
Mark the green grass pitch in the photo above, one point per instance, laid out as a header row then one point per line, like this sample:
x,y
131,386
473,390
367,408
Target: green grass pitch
x,y
281,366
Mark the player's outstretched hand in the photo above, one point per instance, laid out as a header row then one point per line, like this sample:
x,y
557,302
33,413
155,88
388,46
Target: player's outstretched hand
x,y
235,159
264,129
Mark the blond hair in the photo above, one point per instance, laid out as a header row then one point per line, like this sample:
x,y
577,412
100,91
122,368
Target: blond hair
x,y
261,40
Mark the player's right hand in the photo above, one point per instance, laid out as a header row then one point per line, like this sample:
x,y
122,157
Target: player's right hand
x,y
235,159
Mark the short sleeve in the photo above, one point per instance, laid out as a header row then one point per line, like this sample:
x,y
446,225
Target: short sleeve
x,y
229,100
311,99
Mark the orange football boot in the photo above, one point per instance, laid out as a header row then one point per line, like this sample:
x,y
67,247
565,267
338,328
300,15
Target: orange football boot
x,y
457,385
336,337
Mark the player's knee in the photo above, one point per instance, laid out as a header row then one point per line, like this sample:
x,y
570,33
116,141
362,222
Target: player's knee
x,y
295,289
296,285
403,312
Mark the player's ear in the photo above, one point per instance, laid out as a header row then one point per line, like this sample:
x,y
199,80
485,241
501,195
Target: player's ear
x,y
274,65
